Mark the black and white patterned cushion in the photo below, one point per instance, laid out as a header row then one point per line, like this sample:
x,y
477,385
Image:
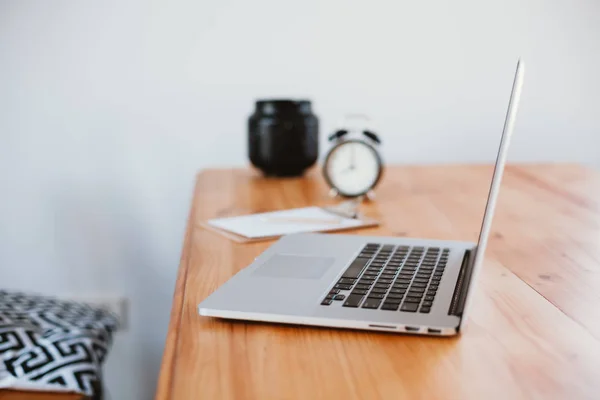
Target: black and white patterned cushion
x,y
49,344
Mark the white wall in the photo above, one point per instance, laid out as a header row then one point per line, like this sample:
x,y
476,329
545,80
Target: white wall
x,y
107,109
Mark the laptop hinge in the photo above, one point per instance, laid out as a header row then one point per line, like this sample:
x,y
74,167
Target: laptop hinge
x,y
462,285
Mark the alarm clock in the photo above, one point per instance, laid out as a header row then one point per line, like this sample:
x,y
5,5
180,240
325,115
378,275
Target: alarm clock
x,y
353,166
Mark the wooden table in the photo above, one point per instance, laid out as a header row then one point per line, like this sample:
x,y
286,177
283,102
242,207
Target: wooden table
x,y
6,394
534,330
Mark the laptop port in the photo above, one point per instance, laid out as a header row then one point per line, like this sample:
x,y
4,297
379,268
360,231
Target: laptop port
x,y
382,326
411,329
434,330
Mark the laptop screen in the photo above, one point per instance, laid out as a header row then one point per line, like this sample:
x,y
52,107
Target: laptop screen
x,y
497,176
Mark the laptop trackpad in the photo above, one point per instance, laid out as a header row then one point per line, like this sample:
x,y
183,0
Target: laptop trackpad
x,y
294,267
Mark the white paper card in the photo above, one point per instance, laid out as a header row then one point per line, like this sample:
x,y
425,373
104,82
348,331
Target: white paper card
x,y
285,222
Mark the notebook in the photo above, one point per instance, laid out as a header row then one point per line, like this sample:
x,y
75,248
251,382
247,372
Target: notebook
x,y
271,225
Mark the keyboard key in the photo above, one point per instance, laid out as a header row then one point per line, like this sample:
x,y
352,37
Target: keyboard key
x,y
330,296
343,287
398,291
417,289
421,285
372,303
379,290
428,298
326,302
431,293
427,304
400,285
405,276
334,291
339,297
347,281
355,269
412,299
389,299
363,286
402,280
382,280
366,281
419,280
359,292
390,306
376,295
425,310
381,285
395,296
353,300
409,307
436,279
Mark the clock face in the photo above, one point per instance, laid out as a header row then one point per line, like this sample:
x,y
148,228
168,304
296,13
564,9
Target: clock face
x,y
352,168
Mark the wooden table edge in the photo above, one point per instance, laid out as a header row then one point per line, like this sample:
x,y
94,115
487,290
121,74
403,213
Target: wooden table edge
x,y
165,377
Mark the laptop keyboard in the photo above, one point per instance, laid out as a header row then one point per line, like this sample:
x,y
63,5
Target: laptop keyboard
x,y
390,277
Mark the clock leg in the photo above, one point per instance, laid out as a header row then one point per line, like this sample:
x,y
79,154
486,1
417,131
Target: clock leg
x,y
370,195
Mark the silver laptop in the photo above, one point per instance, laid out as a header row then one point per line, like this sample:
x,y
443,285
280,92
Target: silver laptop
x,y
420,286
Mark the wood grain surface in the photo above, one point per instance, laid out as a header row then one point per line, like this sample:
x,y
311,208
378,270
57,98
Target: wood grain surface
x,y
534,330
28,395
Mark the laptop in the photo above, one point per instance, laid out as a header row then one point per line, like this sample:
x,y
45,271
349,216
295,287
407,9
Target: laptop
x,y
418,286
